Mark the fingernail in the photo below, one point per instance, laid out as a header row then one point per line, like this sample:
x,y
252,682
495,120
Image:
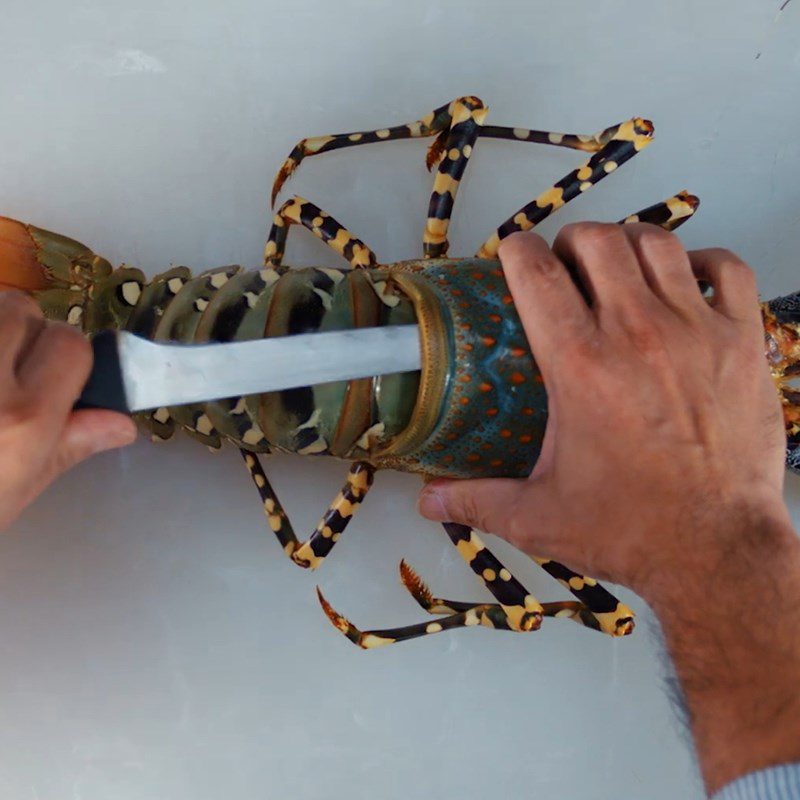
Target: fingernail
x,y
431,505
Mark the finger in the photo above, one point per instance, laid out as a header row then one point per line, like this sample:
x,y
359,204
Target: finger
x,y
549,304
734,283
57,367
21,321
666,267
486,504
88,432
606,262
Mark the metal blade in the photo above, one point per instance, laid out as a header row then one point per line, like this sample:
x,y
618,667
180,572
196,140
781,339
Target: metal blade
x,y
158,374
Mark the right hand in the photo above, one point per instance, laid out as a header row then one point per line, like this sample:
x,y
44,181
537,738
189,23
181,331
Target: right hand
x,y
665,429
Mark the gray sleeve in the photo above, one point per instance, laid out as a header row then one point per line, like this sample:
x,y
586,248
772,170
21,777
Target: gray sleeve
x,y
776,783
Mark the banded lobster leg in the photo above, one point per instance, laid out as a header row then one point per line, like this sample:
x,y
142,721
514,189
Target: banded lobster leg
x,y
456,125
626,141
312,552
516,610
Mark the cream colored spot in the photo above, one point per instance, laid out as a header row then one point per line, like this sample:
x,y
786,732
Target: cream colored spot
x,y
521,220
161,415
370,640
275,522
553,196
218,279
201,304
585,185
175,285
74,315
576,583
489,574
505,575
565,612
387,299
317,446
336,537
316,222
259,480
433,627
354,137
252,299
521,133
453,154
471,618
582,137
269,276
584,173
327,300
555,138
336,275
359,481
253,436
316,144
372,434
590,581
311,422
131,291
610,166
467,150
470,548
383,133
269,505
241,405
326,532
204,425
531,603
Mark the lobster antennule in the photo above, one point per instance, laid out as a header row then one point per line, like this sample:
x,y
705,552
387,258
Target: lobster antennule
x,y
20,265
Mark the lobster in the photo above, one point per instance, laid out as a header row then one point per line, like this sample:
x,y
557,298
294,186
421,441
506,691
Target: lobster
x,y
476,408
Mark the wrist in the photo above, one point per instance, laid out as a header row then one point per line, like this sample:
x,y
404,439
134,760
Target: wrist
x,y
735,541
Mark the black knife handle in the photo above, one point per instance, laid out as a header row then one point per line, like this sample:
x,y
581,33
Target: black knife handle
x,y
105,388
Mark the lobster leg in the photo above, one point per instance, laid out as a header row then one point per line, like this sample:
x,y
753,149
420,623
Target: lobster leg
x,y
313,551
669,214
419,590
624,142
298,211
436,122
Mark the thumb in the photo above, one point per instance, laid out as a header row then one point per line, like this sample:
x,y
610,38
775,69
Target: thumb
x,y
490,505
91,431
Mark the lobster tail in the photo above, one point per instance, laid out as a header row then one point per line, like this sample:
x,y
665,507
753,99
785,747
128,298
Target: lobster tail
x,y
782,339
20,265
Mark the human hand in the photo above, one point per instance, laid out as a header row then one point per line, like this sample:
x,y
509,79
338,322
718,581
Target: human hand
x,y
43,368
664,425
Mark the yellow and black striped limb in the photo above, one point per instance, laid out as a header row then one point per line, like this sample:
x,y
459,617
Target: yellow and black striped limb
x,y
312,552
669,214
563,609
624,142
297,211
436,122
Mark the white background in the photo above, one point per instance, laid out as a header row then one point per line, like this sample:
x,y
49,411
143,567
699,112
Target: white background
x,y
154,642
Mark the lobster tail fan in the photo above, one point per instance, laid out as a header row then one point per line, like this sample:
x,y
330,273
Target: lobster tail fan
x,y
782,339
20,265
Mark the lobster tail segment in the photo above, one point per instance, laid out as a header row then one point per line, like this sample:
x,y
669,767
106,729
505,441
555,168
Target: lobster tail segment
x,y
782,340
20,265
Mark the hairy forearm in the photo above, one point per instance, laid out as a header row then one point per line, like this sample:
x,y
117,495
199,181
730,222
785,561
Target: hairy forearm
x,y
731,622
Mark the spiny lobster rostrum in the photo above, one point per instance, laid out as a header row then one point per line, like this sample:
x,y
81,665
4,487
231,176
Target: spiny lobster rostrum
x,y
476,408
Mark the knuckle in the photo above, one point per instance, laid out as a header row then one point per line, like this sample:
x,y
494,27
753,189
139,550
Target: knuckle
x,y
592,234
519,246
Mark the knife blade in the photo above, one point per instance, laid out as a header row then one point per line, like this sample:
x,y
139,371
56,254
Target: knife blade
x,y
134,374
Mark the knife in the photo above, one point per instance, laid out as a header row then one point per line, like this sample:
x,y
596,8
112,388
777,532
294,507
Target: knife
x,y
133,374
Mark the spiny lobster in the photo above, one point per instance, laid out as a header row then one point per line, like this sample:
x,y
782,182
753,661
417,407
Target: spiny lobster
x,y
477,407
